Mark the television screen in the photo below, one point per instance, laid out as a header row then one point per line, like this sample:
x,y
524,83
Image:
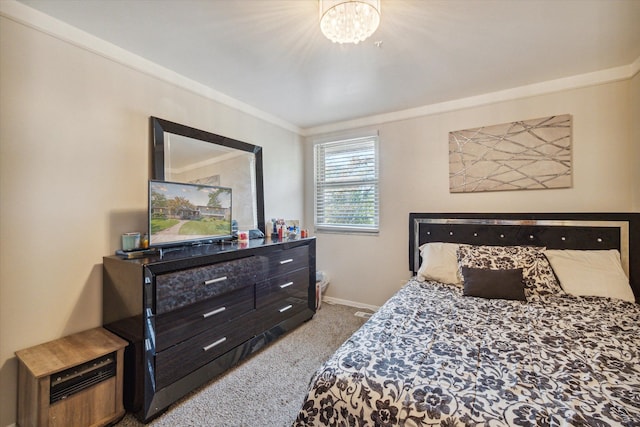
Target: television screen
x,y
181,213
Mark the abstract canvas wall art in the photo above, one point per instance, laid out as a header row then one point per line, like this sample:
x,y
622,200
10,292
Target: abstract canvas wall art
x,y
522,155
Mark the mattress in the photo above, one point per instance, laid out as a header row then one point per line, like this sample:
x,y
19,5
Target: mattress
x,y
431,356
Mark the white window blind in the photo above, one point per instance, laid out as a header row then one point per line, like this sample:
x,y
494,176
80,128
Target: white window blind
x,y
346,185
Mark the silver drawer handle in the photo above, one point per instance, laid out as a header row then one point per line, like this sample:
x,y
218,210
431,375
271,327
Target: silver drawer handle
x,y
286,285
219,279
213,344
216,311
286,261
283,309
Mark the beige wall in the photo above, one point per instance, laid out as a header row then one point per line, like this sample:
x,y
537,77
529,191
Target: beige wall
x,y
414,178
74,162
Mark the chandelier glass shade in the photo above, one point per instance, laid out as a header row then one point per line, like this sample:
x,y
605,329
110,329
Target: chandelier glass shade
x,y
349,21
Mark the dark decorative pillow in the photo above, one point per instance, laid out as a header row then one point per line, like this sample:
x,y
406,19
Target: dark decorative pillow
x,y
537,273
493,284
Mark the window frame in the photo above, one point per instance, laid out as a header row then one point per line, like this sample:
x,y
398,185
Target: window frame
x,y
373,229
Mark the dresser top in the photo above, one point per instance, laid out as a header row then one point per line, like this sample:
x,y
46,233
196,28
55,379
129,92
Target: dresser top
x,y
186,252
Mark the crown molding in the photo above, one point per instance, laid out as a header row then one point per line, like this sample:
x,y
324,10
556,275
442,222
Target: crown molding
x,y
39,21
543,88
25,15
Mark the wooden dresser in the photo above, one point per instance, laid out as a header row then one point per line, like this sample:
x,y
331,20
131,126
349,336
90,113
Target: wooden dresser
x,y
196,311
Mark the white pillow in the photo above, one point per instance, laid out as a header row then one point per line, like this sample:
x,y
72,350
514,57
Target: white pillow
x,y
439,263
591,273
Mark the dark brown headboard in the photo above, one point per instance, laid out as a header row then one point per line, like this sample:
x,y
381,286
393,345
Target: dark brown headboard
x,y
554,230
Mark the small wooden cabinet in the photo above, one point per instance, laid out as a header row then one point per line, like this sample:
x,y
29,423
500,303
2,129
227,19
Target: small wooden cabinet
x,y
193,312
71,381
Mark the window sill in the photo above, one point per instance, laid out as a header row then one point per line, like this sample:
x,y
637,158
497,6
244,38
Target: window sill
x,y
346,230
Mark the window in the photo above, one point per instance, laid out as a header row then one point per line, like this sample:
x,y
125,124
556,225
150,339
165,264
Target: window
x,y
346,185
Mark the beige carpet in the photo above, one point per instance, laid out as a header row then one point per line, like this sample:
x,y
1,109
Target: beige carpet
x,y
267,389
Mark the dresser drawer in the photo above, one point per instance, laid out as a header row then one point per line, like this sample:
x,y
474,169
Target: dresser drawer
x,y
271,315
179,360
179,325
181,288
286,260
294,284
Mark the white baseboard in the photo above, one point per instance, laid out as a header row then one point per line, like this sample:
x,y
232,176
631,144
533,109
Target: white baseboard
x,y
331,300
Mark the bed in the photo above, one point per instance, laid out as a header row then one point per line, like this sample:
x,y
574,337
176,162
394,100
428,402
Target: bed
x,y
509,319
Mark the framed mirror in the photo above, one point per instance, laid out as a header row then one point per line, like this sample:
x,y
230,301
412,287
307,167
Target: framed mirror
x,y
184,154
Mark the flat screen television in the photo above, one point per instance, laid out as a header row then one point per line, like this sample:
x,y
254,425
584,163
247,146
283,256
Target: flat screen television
x,y
181,213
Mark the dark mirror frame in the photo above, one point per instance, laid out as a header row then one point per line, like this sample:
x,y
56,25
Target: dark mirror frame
x,y
160,126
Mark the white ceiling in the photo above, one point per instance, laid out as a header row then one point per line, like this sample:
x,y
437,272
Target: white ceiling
x,y
270,54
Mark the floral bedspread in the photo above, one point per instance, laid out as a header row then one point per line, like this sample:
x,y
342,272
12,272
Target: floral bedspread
x,y
431,357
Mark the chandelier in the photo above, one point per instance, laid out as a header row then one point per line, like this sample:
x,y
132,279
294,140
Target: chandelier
x,y
349,21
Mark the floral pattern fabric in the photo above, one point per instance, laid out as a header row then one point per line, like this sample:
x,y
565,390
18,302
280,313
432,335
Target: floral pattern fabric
x,y
537,273
431,357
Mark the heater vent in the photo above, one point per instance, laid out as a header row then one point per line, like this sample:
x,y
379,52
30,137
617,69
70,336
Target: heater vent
x,y
81,377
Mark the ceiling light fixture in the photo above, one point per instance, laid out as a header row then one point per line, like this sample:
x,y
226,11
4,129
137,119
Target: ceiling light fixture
x,y
349,21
